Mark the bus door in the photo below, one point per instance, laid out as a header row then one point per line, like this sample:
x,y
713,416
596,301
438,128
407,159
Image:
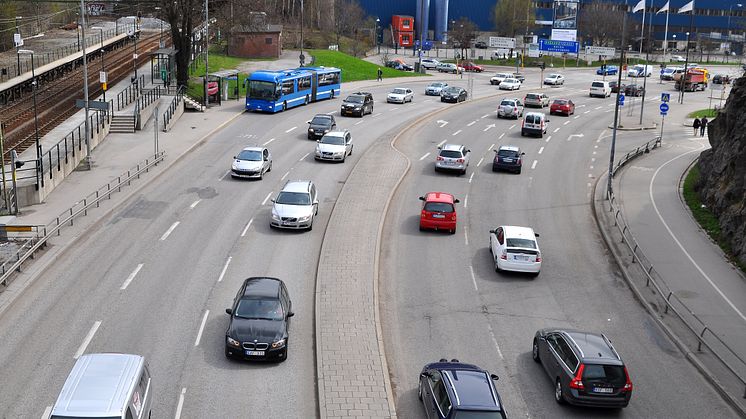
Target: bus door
x,y
314,85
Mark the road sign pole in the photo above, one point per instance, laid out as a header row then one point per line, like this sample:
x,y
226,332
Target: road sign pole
x,y
663,119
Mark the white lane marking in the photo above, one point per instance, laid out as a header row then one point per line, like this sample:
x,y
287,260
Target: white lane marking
x,y
480,161
285,175
225,268
456,133
245,229
471,177
180,405
599,107
377,115
533,165
489,127
541,149
425,156
466,236
47,412
566,122
576,117
224,175
609,110
290,130
490,147
201,328
473,278
589,184
359,122
591,167
494,341
593,159
87,340
590,174
485,116
267,198
548,138
580,106
466,201
594,153
441,143
441,122
586,112
169,231
131,277
511,127
268,141
471,123
595,146
393,109
530,181
501,136
194,204
304,156
556,129
675,239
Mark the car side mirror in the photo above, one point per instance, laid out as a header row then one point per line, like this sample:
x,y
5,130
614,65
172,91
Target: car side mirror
x,y
272,200
308,122
318,141
492,231
536,234
426,374
468,151
422,198
438,147
494,377
456,201
235,157
494,150
229,311
291,314
523,154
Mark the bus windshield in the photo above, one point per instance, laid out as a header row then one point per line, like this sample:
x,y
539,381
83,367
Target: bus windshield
x,y
262,90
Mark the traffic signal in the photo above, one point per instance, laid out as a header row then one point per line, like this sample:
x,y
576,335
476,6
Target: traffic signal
x,y
542,66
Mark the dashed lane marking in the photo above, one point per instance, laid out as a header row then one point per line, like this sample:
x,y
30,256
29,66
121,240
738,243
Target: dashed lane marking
x,y
290,130
533,165
267,198
180,405
201,328
456,133
195,203
169,231
245,229
131,277
87,340
304,157
225,268
471,123
473,278
556,129
268,141
541,149
441,143
425,156
471,177
480,161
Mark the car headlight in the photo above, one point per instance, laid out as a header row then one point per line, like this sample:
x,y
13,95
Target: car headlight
x,y
232,342
279,344
310,130
303,219
275,216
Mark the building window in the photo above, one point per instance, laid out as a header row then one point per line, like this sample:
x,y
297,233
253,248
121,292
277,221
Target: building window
x,y
268,40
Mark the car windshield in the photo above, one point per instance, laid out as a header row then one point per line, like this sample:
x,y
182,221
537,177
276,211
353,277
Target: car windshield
x,y
507,153
597,84
437,85
262,90
293,198
532,119
453,154
510,81
256,308
321,120
476,414
554,76
399,91
525,243
503,75
438,207
354,99
332,139
250,155
610,374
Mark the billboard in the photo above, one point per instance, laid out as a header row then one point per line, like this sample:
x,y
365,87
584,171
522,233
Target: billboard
x,y
565,14
565,35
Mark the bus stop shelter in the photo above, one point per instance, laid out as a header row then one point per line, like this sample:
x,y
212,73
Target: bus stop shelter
x,y
223,85
163,66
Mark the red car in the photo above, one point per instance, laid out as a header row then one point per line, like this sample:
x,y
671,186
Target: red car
x,y
470,66
438,212
563,106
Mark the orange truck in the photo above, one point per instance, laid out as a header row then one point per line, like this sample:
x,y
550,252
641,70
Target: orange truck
x,y
695,79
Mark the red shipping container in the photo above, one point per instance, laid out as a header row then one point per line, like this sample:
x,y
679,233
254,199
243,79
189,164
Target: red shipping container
x,y
404,38
402,23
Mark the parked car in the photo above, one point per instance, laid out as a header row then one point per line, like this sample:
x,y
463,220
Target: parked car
x,y
554,79
519,76
510,108
721,79
538,100
358,103
615,87
334,146
678,58
515,249
438,212
452,390
434,89
640,70
449,68
403,65
430,63
295,206
470,66
480,45
563,106
252,162
510,84
320,125
508,157
607,70
452,157
453,94
585,367
260,321
600,88
400,95
498,78
534,123
633,90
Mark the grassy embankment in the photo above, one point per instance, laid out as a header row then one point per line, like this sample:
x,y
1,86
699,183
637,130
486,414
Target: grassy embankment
x,y
709,113
354,69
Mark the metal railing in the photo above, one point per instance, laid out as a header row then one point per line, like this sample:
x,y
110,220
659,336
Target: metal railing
x,y
699,329
80,208
146,98
175,103
27,241
130,94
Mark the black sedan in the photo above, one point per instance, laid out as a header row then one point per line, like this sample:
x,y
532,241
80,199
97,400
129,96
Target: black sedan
x,y
320,125
260,317
509,158
633,90
453,94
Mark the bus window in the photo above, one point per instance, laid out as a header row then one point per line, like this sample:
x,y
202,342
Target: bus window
x,y
288,86
304,83
262,90
328,78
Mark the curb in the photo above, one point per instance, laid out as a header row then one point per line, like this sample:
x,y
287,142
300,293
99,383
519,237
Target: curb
x,y
636,128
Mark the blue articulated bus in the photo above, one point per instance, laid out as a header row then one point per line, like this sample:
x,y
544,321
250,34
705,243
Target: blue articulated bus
x,y
274,91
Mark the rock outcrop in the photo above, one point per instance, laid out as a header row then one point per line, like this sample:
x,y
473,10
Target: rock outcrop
x,y
722,184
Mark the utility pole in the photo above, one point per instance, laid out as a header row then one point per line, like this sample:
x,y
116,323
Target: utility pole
x,y
616,105
302,58
647,62
18,56
207,50
85,87
2,163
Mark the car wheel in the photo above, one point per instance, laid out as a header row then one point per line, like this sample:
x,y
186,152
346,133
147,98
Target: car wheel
x,y
498,116
535,351
558,396
261,175
227,355
306,100
310,226
331,96
422,228
494,169
419,390
351,147
344,158
497,266
269,169
518,171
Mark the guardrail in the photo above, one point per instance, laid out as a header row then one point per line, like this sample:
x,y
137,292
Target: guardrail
x,y
699,329
130,94
27,241
81,207
145,99
177,100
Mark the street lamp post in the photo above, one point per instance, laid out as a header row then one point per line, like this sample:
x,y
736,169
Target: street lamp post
x,y
682,83
730,13
18,56
301,58
87,130
36,118
134,54
103,66
378,44
616,105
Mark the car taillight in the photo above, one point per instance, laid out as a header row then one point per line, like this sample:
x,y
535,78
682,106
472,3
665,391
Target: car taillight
x,y
460,160
523,123
518,161
453,217
440,158
628,384
538,257
504,255
577,381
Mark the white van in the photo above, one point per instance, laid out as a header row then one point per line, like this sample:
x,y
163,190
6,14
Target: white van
x,y
534,123
501,54
110,386
600,88
640,70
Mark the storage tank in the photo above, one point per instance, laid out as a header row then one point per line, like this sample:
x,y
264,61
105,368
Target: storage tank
x,y
422,18
441,19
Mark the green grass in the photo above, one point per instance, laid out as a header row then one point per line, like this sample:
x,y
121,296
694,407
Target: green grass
x,y
710,113
354,69
706,219
217,61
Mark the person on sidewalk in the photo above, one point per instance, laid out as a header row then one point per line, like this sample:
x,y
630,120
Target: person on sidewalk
x,y
703,126
696,126
380,74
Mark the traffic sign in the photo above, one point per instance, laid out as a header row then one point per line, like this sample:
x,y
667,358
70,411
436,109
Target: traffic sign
x,y
663,107
665,97
551,45
502,42
594,50
621,100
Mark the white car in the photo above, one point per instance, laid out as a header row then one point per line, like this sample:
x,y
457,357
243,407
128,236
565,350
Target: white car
x,y
334,146
295,206
515,249
510,108
600,88
252,162
678,58
430,63
434,89
499,77
554,79
400,95
510,84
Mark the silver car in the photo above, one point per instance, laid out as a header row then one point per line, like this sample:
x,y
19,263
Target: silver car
x,y
510,108
295,206
335,146
252,162
400,95
452,157
434,89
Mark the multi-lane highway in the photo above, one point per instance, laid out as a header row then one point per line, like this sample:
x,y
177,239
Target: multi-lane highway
x,y
155,277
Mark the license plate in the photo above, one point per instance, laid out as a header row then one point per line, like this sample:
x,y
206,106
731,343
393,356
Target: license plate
x,y
439,216
287,223
603,390
254,353
521,257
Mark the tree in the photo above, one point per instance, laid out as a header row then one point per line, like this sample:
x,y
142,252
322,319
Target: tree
x,y
512,17
462,32
601,23
354,16
182,15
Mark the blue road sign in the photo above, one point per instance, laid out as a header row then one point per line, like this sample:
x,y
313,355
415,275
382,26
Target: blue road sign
x,y
664,107
665,97
558,46
621,100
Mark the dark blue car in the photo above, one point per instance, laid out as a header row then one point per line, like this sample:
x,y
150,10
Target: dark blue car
x,y
607,70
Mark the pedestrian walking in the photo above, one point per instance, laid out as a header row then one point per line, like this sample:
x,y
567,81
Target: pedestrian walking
x,y
380,74
703,126
696,125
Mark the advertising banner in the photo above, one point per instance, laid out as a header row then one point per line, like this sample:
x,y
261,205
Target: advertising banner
x,y
570,35
565,14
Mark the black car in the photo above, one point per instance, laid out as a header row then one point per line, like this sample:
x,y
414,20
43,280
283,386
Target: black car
x,y
615,87
450,390
721,79
320,125
358,103
633,90
519,76
260,318
584,366
398,65
480,45
508,157
453,94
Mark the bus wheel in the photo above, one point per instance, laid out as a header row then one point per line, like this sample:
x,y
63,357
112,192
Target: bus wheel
x,y
306,103
284,106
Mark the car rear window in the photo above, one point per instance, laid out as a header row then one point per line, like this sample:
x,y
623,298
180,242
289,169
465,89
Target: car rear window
x,y
453,154
250,155
560,102
532,96
507,103
610,374
525,243
507,153
321,120
438,207
597,84
533,119
475,414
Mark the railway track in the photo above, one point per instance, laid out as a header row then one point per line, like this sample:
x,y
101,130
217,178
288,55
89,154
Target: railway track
x,y
56,99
